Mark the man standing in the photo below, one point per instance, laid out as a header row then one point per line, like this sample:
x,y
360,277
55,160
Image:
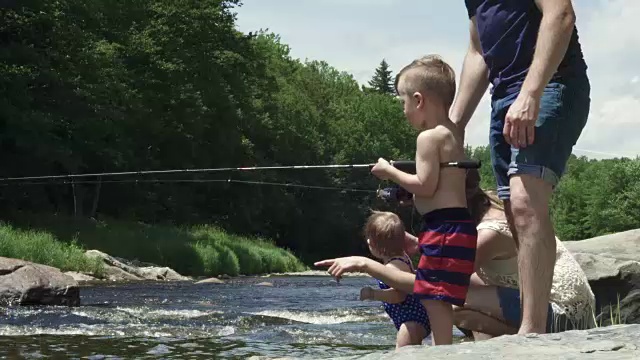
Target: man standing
x,y
529,51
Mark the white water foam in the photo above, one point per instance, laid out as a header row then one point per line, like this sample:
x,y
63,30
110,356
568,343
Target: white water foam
x,y
179,314
317,318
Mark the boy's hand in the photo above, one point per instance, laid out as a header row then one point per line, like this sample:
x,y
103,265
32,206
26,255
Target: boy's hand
x,y
411,244
366,293
406,202
381,169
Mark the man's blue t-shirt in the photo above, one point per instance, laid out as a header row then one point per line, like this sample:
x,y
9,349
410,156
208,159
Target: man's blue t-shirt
x,y
508,31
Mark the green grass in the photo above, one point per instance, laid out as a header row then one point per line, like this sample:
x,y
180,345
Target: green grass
x,y
614,316
41,247
197,251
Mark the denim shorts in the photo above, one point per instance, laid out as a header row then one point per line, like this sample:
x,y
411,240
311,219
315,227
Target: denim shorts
x,y
564,109
510,304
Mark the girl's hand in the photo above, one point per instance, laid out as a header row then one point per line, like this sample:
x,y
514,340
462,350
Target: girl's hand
x,y
339,266
366,293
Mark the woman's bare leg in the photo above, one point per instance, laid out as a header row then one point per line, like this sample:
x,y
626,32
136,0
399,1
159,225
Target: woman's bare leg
x,y
482,313
478,336
483,326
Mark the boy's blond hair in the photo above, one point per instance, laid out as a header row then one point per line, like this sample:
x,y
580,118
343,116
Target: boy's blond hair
x,y
385,232
429,73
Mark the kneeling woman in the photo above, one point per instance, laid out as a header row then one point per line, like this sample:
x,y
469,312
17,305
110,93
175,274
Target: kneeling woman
x,y
492,307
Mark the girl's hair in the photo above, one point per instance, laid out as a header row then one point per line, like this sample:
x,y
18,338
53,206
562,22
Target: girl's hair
x,y
385,232
478,200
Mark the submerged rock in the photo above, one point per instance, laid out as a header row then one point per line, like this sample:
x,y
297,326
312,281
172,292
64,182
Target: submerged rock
x,y
27,283
80,277
212,280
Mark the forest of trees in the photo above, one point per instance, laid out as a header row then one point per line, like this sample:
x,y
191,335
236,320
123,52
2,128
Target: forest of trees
x,y
93,86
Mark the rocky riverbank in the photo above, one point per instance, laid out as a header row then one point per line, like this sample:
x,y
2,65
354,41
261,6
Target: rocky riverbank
x,y
620,342
26,283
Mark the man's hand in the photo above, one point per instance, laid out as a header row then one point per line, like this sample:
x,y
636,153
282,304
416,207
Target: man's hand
x,y
366,293
381,169
520,121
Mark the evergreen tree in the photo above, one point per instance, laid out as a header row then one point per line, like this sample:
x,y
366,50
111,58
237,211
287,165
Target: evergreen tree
x,y
382,81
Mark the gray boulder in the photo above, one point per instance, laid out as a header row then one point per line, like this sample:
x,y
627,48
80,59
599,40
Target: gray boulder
x,y
117,269
612,265
27,283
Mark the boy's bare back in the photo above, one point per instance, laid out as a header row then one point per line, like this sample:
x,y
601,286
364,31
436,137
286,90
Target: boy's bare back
x,y
440,144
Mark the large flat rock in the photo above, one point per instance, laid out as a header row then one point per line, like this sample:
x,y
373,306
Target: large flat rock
x,y
616,342
623,245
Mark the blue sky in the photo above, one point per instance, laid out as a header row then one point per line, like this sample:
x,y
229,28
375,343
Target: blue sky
x,y
354,35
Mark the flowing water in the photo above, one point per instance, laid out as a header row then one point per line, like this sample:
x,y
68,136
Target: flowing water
x,y
297,317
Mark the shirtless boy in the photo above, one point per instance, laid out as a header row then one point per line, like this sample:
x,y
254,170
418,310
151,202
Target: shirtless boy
x,y
448,235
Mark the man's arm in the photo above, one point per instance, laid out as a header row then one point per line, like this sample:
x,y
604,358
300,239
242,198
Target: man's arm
x,y
474,81
556,28
425,181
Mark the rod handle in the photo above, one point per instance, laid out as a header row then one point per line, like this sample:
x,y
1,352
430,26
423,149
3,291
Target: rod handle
x,y
409,166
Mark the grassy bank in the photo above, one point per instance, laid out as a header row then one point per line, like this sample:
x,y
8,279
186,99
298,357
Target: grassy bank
x,y
197,251
43,248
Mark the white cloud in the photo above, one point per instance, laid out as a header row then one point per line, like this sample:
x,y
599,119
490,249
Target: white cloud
x,y
354,35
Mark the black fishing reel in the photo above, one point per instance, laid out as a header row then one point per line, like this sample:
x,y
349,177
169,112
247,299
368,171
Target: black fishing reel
x,y
398,194
394,194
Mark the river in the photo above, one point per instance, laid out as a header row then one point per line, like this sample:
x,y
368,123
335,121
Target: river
x,y
297,317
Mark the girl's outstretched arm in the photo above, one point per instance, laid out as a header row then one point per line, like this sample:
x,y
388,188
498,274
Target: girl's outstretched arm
x,y
395,278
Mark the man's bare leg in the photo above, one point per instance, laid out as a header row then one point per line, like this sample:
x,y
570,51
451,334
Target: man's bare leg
x,y
529,205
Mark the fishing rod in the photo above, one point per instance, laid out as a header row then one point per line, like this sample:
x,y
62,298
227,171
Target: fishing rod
x,y
404,165
179,181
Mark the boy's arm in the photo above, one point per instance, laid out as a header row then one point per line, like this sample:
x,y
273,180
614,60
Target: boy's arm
x,y
425,181
474,81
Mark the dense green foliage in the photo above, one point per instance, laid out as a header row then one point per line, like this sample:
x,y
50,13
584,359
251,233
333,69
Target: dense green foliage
x,y
101,85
